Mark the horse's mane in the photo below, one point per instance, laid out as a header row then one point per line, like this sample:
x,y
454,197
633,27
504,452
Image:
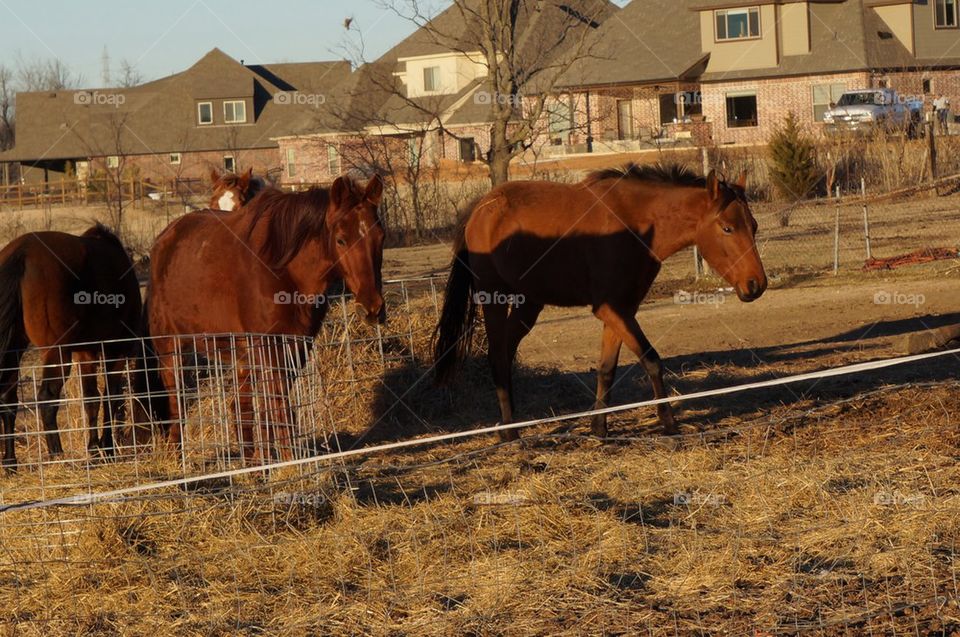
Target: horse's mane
x,y
100,231
292,219
675,174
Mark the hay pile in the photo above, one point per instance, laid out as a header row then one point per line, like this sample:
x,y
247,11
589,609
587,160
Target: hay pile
x,y
838,518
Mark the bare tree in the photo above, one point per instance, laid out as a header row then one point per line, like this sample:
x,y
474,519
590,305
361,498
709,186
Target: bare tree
x,y
106,141
524,47
129,75
45,75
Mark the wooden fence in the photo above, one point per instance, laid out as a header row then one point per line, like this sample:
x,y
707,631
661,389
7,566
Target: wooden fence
x,y
97,191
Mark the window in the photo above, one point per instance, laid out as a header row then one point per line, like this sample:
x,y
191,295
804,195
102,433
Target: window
x,y
229,164
738,24
413,151
235,112
927,89
205,113
113,161
468,149
945,14
668,108
625,119
431,79
691,103
824,97
333,160
560,116
741,110
175,159
291,163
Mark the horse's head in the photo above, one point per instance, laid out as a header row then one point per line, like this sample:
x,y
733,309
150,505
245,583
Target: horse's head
x,y
231,191
726,236
356,236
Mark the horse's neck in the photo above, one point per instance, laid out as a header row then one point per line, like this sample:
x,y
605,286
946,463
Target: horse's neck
x,y
675,214
313,270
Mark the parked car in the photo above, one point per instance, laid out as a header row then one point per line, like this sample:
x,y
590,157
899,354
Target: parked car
x,y
867,110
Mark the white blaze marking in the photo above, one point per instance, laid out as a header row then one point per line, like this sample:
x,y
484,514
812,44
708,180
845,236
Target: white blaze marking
x,y
225,202
363,228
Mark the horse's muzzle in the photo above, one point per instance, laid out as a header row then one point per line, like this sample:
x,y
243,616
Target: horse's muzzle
x,y
754,290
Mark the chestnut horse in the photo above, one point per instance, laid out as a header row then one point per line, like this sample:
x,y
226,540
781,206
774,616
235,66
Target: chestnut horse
x,y
63,292
231,191
599,243
243,272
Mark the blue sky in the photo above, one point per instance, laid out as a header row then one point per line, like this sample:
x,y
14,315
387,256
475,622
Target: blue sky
x,y
165,36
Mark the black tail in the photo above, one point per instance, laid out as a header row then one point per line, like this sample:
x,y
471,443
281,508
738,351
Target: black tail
x,y
11,301
454,333
149,389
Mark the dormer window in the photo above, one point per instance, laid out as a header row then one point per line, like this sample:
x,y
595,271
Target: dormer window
x,y
738,24
431,79
234,112
205,113
946,14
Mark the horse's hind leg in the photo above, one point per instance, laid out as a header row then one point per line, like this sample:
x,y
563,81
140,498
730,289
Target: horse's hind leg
x,y
114,410
89,367
504,333
9,379
56,367
625,326
606,372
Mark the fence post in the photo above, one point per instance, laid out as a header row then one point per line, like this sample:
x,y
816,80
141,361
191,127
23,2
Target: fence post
x,y
866,218
836,237
697,258
932,151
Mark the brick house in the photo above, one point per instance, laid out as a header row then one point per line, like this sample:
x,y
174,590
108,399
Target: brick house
x,y
425,104
219,113
728,71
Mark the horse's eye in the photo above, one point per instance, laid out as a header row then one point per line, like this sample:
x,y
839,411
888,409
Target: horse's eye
x,y
727,230
341,242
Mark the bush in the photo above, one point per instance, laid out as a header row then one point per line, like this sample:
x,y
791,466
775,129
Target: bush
x,y
793,163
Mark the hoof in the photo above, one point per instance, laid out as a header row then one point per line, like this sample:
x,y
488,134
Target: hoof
x,y
9,465
509,435
670,428
599,427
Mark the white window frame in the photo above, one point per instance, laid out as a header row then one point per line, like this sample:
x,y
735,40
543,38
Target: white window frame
x,y
112,161
290,156
175,159
232,168
936,20
726,24
333,160
200,106
830,86
234,119
434,73
736,94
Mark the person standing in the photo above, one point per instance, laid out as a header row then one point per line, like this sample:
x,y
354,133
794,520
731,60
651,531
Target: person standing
x,y
941,107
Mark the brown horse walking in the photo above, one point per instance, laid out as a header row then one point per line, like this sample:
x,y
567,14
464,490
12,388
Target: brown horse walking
x,y
599,243
232,191
261,270
63,292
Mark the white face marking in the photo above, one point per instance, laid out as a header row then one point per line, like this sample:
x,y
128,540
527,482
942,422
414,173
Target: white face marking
x,y
363,228
225,202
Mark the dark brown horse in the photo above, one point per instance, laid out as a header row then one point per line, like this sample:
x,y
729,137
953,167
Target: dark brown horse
x,y
62,293
231,191
261,270
599,243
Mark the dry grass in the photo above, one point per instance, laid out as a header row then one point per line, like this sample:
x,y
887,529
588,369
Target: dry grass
x,y
838,517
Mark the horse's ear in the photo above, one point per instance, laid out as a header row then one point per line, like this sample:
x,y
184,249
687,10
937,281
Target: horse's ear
x,y
339,192
244,179
713,185
374,190
742,181
214,175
